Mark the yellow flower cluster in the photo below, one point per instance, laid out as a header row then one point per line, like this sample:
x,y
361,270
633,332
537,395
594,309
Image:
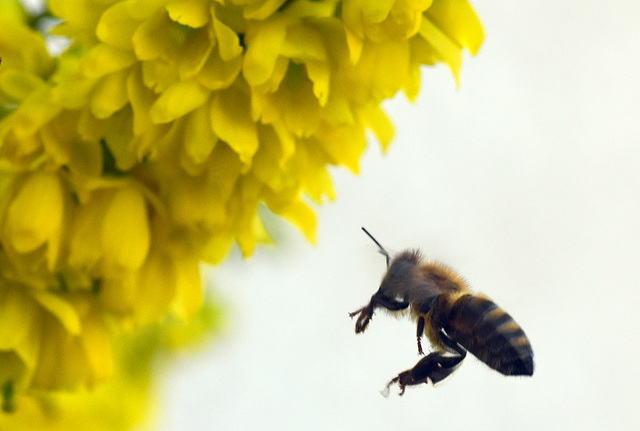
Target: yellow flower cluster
x,y
147,146
125,401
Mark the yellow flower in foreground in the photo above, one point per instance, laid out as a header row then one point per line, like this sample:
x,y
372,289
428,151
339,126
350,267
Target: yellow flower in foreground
x,y
123,401
148,145
51,342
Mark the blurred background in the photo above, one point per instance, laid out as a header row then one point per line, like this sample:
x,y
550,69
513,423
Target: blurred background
x,y
526,180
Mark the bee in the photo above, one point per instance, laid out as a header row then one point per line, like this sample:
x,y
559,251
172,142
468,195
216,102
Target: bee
x,y
454,319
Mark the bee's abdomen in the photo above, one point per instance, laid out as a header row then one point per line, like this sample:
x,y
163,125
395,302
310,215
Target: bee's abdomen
x,y
490,334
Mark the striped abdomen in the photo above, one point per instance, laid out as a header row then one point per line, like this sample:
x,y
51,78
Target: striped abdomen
x,y
490,334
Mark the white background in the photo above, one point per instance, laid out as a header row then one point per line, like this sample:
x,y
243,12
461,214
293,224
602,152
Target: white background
x,y
526,180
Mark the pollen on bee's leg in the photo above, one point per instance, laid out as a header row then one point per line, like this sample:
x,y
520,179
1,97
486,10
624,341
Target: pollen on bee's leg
x,y
385,391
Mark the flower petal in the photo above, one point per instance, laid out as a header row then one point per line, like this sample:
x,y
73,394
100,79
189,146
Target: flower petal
x,y
125,229
297,212
116,26
109,95
458,20
96,345
232,122
228,41
194,13
103,59
19,321
157,280
35,214
199,138
264,43
178,100
62,310
189,287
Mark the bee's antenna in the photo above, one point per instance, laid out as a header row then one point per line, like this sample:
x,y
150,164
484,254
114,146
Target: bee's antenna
x,y
384,252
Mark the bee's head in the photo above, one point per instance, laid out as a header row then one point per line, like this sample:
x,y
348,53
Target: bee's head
x,y
401,270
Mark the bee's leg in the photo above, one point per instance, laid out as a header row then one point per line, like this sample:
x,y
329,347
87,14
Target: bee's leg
x,y
425,307
377,300
366,313
452,344
419,334
433,368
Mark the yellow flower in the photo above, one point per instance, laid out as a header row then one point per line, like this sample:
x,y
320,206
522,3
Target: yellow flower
x,y
125,229
50,341
22,49
102,408
379,21
448,27
35,215
254,75
149,145
25,67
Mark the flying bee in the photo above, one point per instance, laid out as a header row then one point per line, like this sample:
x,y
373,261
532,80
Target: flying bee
x,y
454,319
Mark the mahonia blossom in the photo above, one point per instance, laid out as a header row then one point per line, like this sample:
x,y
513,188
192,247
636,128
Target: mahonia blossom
x,y
148,145
137,357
